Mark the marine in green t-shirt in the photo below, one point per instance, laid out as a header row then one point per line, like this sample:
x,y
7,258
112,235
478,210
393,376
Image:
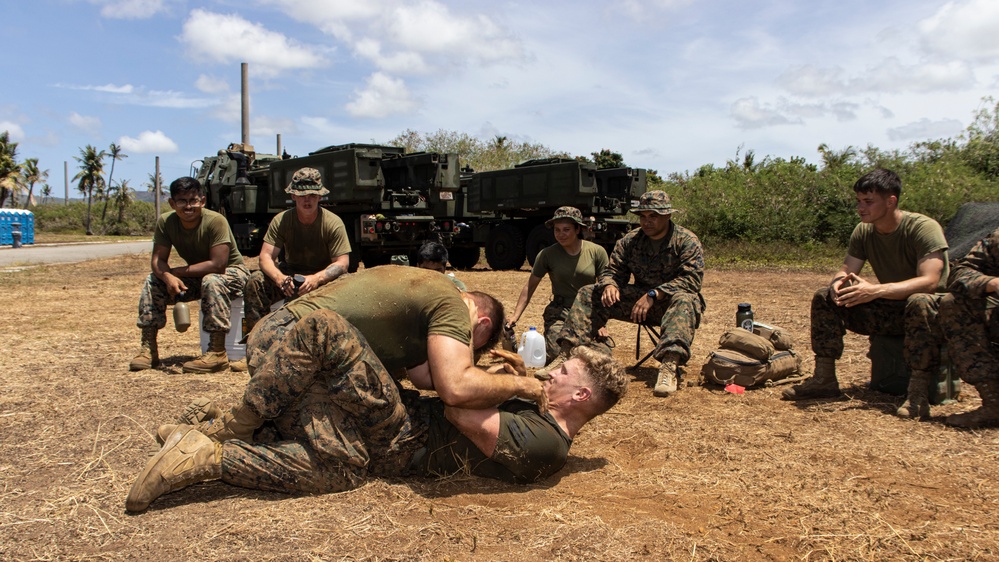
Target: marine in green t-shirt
x,y
214,274
337,418
571,264
304,249
908,253
418,324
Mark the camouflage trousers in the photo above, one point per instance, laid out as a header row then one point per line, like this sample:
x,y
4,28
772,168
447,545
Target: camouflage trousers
x,y
215,291
259,295
678,315
337,413
554,317
914,318
971,327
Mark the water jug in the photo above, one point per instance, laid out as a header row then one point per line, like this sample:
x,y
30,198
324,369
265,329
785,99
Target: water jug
x,y
532,349
181,315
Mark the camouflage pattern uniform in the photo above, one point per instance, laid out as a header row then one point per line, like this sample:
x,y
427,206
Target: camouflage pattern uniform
x,y
913,318
969,316
338,414
215,291
555,315
676,270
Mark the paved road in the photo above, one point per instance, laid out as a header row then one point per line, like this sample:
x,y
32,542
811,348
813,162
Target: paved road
x,y
34,254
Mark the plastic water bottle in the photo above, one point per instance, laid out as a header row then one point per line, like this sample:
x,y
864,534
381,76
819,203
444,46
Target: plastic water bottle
x,y
532,349
181,314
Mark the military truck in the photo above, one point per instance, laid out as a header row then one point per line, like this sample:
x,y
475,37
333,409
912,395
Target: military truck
x,y
392,202
509,207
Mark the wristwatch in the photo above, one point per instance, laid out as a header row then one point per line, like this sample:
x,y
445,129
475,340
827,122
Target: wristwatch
x,y
653,294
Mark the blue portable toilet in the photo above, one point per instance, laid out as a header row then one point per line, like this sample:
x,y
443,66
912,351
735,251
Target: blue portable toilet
x,y
21,216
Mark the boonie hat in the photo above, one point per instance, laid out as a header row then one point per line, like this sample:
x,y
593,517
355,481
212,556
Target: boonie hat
x,y
306,181
657,201
568,213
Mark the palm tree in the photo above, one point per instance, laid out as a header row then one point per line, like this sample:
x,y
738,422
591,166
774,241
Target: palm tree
x,y
115,152
123,196
10,170
150,185
31,176
90,176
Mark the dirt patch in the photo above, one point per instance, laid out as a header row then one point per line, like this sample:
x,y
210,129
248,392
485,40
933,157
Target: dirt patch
x,y
705,475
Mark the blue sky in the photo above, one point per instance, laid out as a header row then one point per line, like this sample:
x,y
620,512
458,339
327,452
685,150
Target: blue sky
x,y
670,84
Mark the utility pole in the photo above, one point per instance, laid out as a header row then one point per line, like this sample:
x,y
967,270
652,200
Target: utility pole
x,y
244,70
156,187
65,174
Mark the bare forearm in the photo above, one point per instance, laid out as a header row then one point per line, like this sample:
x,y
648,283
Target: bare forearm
x,y
476,389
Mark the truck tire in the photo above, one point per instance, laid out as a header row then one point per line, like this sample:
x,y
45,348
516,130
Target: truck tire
x,y
463,257
505,248
540,238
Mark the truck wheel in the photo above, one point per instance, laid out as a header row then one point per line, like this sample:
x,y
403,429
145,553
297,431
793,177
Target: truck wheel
x,y
505,248
540,238
462,257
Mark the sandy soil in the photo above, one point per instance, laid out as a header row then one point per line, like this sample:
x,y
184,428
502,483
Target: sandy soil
x,y
706,475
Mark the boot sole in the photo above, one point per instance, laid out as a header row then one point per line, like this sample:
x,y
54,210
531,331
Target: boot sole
x,y
131,503
218,369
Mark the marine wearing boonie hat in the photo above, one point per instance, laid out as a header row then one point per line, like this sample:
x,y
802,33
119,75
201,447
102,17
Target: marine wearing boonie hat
x,y
657,201
306,181
567,213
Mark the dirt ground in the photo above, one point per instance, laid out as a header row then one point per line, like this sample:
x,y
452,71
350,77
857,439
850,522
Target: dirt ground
x,y
705,475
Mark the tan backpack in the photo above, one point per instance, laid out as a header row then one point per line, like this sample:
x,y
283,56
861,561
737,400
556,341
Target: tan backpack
x,y
750,358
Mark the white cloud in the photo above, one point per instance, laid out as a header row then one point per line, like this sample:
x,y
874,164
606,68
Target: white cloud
x,y
211,84
812,81
410,62
963,29
106,88
641,9
229,38
15,132
890,75
749,113
130,9
926,129
132,95
86,123
382,96
149,142
412,37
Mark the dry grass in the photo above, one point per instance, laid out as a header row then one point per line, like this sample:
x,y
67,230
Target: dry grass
x,y
702,476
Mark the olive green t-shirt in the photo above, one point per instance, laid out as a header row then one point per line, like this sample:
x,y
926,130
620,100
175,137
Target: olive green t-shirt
x,y
195,245
307,248
530,446
570,273
894,257
396,308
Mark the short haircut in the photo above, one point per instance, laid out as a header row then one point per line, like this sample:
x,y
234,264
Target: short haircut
x,y
881,181
185,184
493,309
432,251
605,374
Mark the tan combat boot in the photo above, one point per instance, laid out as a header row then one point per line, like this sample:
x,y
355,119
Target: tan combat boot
x,y
239,366
918,402
188,457
214,360
201,410
239,423
822,384
666,381
149,352
987,415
